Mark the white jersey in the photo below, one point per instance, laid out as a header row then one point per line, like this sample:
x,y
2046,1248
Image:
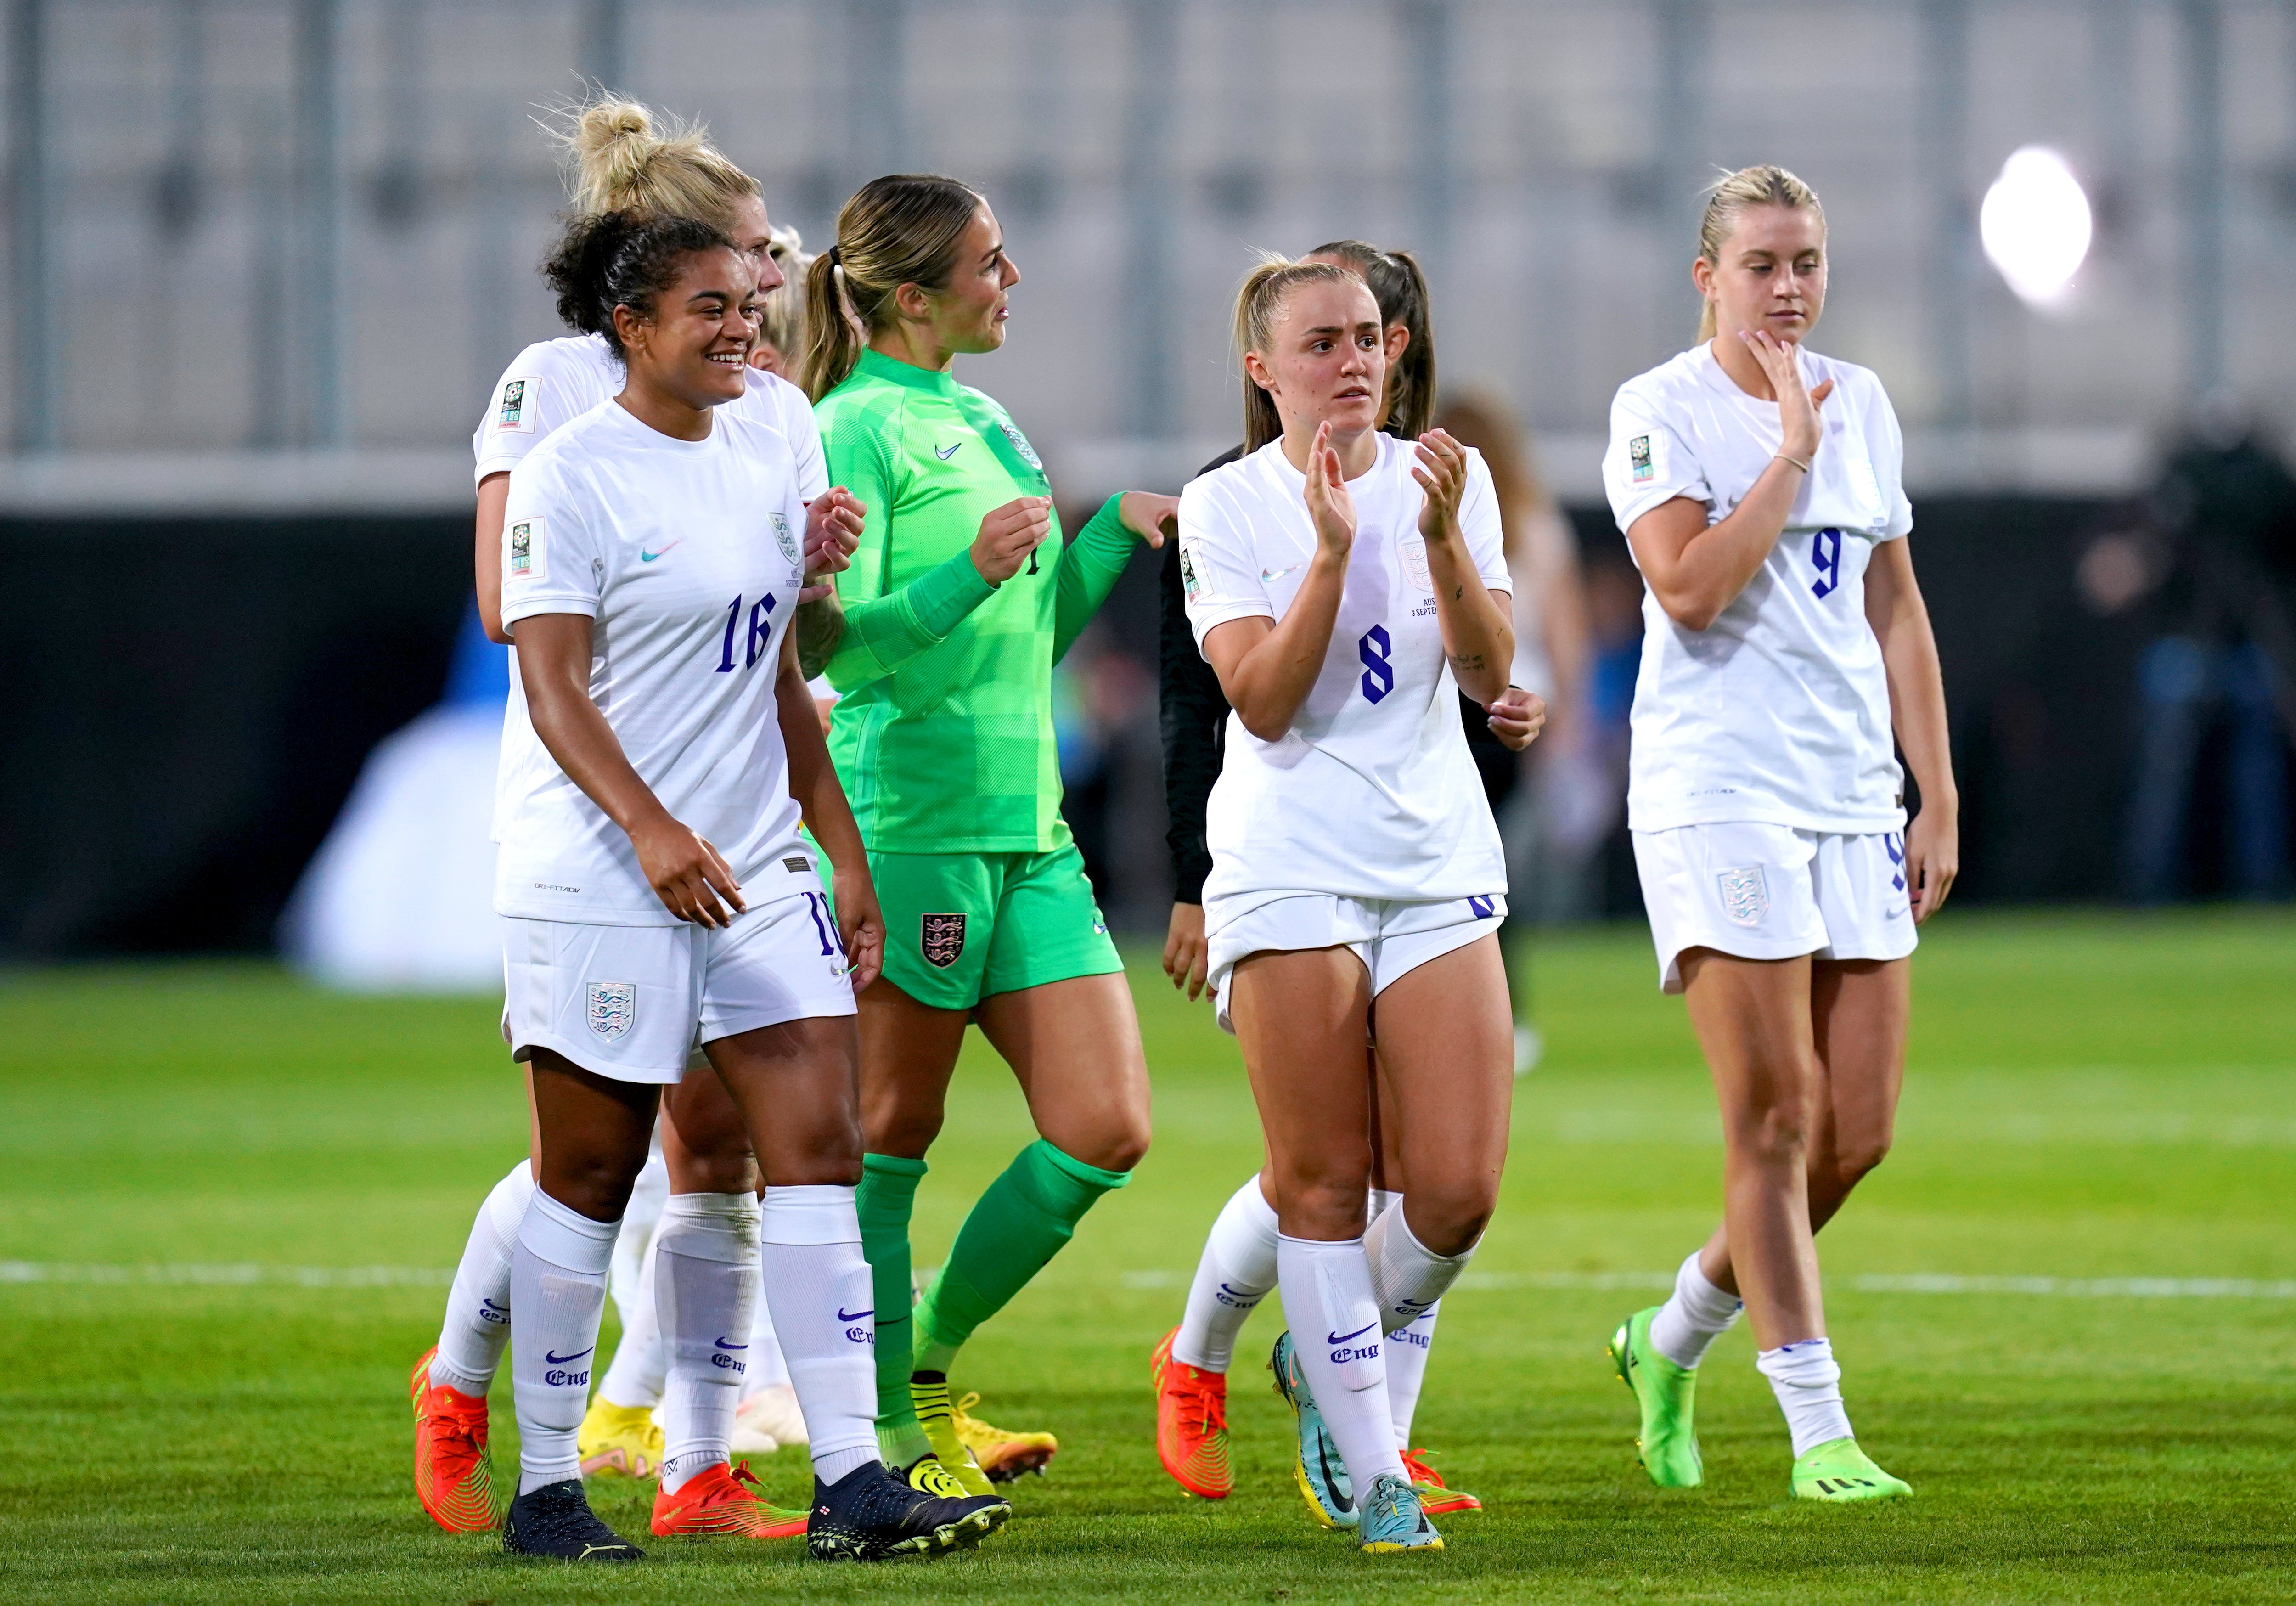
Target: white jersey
x,y
687,554
1779,710
1371,793
552,382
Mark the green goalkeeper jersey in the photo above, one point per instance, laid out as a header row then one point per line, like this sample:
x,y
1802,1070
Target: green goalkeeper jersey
x,y
944,734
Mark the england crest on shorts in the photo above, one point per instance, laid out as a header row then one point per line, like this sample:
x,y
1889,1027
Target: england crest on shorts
x,y
942,937
1745,895
613,1008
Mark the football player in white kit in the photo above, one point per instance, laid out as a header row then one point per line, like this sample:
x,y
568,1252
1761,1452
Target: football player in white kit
x,y
621,160
1759,484
1345,586
651,566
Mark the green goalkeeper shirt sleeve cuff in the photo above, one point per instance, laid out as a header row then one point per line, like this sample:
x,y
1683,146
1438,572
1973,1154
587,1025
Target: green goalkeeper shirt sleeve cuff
x,y
885,632
1089,570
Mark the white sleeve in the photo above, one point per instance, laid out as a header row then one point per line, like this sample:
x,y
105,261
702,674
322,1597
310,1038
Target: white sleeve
x,y
1647,461
550,560
804,441
540,390
1219,579
1479,522
1889,448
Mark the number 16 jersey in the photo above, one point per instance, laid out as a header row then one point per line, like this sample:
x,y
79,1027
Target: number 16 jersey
x,y
1371,793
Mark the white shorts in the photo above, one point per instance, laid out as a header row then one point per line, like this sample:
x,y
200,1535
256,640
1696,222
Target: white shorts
x,y
1758,891
1392,936
633,1001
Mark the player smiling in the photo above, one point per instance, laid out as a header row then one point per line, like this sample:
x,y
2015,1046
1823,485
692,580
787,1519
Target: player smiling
x,y
1345,587
958,604
1785,643
651,564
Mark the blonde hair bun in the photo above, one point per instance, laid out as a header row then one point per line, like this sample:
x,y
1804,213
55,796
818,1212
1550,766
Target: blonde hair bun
x,y
624,157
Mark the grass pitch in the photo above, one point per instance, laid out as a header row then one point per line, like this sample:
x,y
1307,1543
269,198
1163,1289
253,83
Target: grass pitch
x,y
2093,1100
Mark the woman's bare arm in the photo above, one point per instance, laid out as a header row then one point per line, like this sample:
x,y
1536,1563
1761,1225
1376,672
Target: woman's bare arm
x,y
686,872
494,495
1900,620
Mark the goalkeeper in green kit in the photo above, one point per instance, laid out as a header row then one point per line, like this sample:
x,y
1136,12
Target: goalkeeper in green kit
x,y
962,597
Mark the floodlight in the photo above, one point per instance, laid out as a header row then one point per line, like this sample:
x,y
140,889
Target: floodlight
x,y
2035,225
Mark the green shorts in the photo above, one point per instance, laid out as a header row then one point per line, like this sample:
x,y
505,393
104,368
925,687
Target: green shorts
x,y
961,926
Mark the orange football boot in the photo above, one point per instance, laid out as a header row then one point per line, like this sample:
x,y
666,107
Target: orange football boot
x,y
453,1477
1435,1496
713,1503
1192,1424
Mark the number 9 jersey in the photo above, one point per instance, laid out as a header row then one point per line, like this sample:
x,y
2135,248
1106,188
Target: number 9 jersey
x,y
1779,710
1371,793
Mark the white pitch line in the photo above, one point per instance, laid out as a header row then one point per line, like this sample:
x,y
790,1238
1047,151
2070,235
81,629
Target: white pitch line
x,y
248,1274
1876,1282
242,1274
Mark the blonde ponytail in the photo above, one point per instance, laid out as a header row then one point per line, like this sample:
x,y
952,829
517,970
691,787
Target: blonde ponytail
x,y
1258,302
1732,196
621,158
901,229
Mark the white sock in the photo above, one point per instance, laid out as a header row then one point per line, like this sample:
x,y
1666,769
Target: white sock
x,y
648,1194
558,1288
819,1287
705,1293
477,1307
1695,1315
640,1364
1808,1386
1407,1351
1406,1278
1382,1201
1234,1274
1334,1322
768,1367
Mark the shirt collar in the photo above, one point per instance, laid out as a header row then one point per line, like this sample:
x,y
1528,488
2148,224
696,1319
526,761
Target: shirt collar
x,y
876,365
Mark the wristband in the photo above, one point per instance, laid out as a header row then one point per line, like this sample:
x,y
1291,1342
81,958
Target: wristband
x,y
1797,462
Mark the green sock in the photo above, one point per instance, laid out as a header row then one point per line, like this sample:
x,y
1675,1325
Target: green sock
x,y
1014,1228
887,1193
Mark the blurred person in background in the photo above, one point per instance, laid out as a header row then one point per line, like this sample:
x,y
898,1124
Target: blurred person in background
x,y
1788,655
2211,559
951,621
1549,614
621,159
1237,1268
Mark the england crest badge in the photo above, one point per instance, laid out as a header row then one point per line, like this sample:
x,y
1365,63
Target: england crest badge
x,y
786,539
942,937
1021,444
1745,895
613,1008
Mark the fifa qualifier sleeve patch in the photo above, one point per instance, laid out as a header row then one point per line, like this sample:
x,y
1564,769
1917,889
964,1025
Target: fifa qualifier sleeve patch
x,y
1192,576
514,407
1639,458
525,556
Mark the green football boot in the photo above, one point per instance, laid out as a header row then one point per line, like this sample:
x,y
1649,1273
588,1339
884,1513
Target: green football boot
x,y
1840,1471
1668,1394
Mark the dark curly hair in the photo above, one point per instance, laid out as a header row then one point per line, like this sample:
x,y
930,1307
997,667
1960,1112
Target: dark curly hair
x,y
620,259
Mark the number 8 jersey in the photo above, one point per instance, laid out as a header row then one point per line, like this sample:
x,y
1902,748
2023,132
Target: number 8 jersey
x,y
1779,710
1371,793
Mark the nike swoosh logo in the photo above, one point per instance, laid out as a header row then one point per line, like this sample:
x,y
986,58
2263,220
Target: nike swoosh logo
x,y
562,1360
728,1344
1276,574
1358,1332
647,557
855,1315
490,1305
946,453
1345,1502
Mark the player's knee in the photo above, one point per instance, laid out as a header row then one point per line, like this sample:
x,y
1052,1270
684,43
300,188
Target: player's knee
x,y
1852,1162
1327,1203
1451,1220
1120,1149
891,1126
1773,1135
595,1185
